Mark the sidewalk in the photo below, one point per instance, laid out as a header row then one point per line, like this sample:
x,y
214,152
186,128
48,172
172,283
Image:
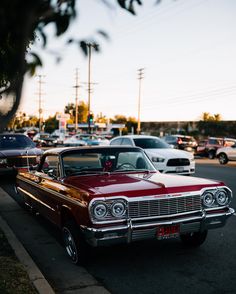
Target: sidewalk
x,y
64,277
35,275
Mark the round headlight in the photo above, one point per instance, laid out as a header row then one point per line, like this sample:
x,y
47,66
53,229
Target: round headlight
x,y
208,199
100,210
118,209
222,197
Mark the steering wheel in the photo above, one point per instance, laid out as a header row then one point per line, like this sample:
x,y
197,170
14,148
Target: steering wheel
x,y
126,165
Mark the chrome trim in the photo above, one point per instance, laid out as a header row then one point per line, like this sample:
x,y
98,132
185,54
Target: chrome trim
x,y
50,191
130,232
36,199
159,197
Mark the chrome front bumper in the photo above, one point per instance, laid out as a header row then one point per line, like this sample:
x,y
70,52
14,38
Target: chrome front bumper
x,y
135,231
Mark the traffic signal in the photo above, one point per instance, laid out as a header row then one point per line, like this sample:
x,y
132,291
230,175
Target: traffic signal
x,y
90,118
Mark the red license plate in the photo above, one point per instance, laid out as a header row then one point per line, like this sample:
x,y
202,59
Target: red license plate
x,y
166,232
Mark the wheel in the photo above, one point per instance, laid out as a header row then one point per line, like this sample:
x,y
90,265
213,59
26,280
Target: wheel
x,y
194,239
211,154
223,159
75,245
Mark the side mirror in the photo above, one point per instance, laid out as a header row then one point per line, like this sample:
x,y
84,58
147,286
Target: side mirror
x,y
33,167
51,173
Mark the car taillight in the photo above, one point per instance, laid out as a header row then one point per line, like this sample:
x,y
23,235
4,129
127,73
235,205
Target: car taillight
x,y
179,141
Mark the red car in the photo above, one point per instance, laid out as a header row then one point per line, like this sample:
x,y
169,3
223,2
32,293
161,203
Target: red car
x,y
106,195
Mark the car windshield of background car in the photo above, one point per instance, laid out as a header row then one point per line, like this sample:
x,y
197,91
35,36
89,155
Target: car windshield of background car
x,y
147,143
15,142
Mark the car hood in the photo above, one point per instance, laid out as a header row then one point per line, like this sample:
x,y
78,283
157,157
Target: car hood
x,y
168,153
20,152
137,184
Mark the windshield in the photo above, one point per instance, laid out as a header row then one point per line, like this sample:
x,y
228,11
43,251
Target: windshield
x,y
150,143
105,160
15,142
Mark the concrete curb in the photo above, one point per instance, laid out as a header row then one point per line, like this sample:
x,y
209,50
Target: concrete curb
x,y
35,275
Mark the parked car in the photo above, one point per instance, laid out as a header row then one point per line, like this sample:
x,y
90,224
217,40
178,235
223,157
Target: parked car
x,y
181,142
164,158
44,140
17,151
90,139
226,154
108,195
74,141
208,147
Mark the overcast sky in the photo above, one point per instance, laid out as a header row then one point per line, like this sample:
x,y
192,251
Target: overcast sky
x,y
186,47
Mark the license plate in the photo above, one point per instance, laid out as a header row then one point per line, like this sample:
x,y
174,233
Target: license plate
x,y
179,169
166,232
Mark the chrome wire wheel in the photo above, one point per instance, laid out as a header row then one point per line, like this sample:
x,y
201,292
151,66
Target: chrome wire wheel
x,y
70,244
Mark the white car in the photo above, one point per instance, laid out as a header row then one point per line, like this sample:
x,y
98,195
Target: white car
x,y
225,154
74,141
164,158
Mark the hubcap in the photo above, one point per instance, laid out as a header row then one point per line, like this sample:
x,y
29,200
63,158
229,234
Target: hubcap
x,y
70,245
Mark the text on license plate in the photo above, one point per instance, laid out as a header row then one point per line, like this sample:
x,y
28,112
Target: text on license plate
x,y
179,169
166,232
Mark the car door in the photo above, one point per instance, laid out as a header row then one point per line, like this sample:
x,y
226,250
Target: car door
x,y
232,152
45,184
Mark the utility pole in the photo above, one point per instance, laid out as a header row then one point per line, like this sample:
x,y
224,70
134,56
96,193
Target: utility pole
x,y
140,77
76,98
40,110
90,46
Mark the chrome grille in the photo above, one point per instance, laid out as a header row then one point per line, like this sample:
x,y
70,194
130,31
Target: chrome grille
x,y
164,206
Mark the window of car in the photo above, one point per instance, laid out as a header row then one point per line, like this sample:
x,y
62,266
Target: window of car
x,y
150,143
126,141
51,164
11,141
94,161
116,141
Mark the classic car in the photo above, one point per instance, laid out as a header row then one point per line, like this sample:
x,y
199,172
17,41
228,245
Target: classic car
x,y
17,151
165,158
106,195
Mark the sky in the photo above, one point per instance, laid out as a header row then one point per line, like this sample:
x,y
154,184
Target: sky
x,y
186,47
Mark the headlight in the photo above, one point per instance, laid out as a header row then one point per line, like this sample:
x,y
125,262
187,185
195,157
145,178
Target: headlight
x,y
3,161
100,210
158,159
222,197
118,209
208,199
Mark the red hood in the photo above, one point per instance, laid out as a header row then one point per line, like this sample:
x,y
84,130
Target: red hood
x,y
133,185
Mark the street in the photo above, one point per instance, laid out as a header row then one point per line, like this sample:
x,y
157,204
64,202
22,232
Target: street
x,y
145,267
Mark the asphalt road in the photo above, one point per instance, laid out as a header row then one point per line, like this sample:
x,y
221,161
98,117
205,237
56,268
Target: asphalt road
x,y
153,267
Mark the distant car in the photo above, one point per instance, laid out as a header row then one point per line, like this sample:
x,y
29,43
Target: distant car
x,y
209,146
44,140
164,158
17,151
182,142
104,195
90,139
226,154
74,141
